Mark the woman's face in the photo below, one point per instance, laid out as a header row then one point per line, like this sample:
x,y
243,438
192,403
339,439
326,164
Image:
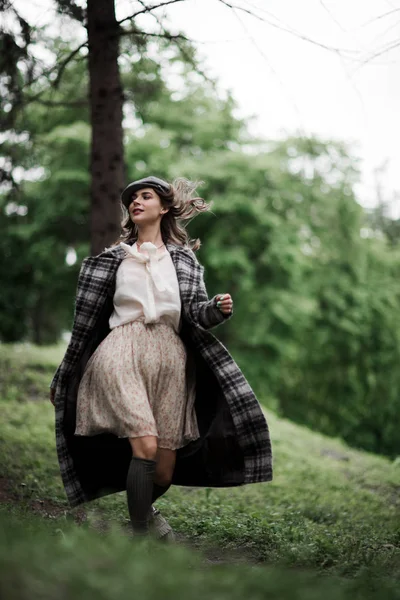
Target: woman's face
x,y
145,206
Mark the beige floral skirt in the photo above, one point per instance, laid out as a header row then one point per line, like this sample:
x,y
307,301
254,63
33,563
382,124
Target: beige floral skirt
x,y
134,384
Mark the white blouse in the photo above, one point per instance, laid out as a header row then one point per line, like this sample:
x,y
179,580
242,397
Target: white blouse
x,y
146,284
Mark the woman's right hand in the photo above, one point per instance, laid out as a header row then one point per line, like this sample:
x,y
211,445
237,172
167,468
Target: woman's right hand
x,y
52,394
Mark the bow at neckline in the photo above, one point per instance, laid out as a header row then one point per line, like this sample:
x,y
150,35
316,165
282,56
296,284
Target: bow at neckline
x,y
152,263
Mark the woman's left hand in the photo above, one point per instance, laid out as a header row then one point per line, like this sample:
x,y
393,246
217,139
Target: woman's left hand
x,y
225,303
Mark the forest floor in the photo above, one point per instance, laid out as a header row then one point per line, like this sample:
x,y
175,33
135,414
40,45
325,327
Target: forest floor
x,y
328,524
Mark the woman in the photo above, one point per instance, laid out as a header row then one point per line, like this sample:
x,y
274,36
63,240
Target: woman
x,y
146,396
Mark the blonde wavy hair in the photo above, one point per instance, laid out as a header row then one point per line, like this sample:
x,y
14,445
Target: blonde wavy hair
x,y
183,206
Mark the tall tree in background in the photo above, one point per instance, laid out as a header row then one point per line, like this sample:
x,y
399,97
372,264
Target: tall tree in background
x,y
106,102
106,111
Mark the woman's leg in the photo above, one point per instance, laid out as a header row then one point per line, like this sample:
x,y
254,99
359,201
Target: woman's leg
x,y
139,481
165,466
145,452
164,470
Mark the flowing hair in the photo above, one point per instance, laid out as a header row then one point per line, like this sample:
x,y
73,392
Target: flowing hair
x,y
183,206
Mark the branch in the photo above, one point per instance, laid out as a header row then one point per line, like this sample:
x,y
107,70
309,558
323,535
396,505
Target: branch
x,y
182,50
168,36
388,48
56,82
75,103
5,5
322,3
65,62
270,66
380,17
147,9
286,29
52,69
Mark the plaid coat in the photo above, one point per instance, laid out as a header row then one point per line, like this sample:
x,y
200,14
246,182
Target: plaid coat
x,y
234,447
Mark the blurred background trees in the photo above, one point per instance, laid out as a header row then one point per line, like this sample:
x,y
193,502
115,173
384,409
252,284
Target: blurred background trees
x,y
315,278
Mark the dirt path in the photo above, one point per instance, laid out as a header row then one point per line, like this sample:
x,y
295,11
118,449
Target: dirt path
x,y
46,509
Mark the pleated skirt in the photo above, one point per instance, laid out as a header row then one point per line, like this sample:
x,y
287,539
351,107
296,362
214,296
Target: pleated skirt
x,y
134,385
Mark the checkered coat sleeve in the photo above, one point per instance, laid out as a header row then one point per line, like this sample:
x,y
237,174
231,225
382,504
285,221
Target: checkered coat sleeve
x,y
203,312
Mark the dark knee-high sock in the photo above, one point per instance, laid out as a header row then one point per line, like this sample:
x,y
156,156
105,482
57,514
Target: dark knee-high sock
x,y
159,490
139,489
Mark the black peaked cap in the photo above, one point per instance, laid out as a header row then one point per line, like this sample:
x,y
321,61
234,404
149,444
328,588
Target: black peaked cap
x,y
159,185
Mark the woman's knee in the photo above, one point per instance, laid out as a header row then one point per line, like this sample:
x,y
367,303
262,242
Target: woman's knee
x,y
144,447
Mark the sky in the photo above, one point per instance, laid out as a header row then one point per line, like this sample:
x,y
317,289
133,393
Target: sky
x,y
304,67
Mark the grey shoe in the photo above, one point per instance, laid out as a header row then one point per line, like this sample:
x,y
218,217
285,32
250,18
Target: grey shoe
x,y
160,527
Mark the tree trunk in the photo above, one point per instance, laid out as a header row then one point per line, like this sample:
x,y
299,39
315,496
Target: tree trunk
x,y
106,102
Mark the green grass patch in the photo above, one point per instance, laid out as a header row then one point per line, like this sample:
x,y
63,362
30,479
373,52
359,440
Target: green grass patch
x,y
26,370
331,510
71,562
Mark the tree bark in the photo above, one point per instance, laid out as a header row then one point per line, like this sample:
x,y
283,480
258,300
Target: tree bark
x,y
106,103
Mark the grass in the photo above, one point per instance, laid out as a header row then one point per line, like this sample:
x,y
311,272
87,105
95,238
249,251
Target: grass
x,y
72,562
329,520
